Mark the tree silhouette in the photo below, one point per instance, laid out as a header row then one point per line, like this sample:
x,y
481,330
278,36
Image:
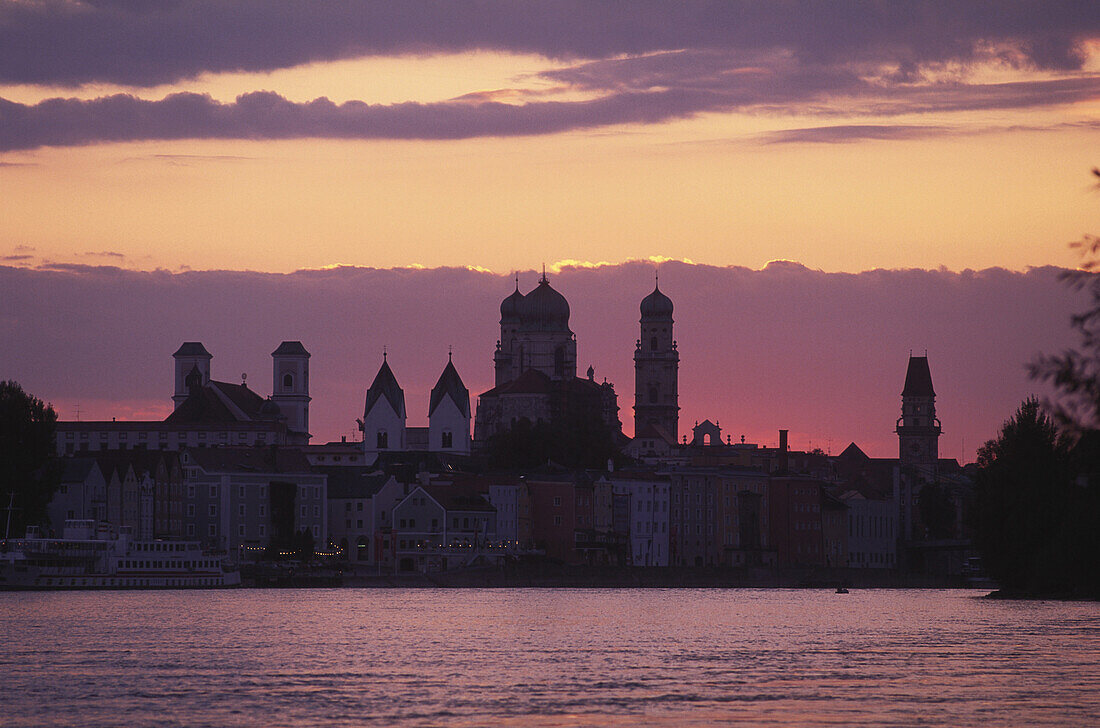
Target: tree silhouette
x,y
1036,519
29,468
1075,373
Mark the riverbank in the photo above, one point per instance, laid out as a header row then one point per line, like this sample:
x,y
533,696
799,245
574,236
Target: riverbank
x,y
591,577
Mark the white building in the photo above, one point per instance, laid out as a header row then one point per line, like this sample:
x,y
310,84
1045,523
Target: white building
x,y
383,421
449,413
872,531
646,517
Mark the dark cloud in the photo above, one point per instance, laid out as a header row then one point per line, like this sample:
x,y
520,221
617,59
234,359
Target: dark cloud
x,y
16,258
822,354
143,44
851,133
646,90
266,115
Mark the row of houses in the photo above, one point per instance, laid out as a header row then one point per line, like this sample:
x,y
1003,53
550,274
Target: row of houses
x,y
397,516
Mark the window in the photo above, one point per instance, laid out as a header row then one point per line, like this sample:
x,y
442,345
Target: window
x,y
213,509
359,523
653,394
213,530
557,500
303,511
448,439
191,509
213,491
240,491
263,510
190,491
262,530
653,344
383,440
190,529
288,381
358,505
347,506
240,510
240,530
557,520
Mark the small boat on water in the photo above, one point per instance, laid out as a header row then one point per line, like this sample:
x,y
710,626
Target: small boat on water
x,y
90,555
841,590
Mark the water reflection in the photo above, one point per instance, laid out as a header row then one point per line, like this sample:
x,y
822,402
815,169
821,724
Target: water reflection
x,y
546,657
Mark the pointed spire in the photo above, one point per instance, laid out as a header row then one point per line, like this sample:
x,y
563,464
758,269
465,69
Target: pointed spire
x,y
543,279
383,353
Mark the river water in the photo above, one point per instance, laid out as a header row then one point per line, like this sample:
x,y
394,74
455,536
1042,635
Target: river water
x,y
474,657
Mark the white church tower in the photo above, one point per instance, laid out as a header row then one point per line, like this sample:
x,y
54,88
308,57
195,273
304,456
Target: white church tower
x,y
449,413
192,360
290,385
384,413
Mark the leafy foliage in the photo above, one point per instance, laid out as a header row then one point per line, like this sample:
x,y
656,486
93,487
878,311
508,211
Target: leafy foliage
x,y
28,466
579,442
1075,373
937,512
1036,519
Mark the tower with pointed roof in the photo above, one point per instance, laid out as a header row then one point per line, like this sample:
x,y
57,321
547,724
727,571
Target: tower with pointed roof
x,y
656,368
192,366
384,412
290,385
918,427
918,431
449,413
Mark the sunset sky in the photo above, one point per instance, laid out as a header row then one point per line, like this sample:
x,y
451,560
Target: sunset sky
x,y
276,137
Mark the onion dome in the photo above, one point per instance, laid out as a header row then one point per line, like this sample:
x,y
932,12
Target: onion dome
x,y
269,410
656,305
544,309
510,307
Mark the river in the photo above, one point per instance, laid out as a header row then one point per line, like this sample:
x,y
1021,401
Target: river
x,y
599,657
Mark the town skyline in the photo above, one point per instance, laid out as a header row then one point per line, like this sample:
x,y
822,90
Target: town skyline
x,y
784,364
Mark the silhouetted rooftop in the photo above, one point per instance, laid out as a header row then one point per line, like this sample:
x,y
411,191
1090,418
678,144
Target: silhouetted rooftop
x,y
385,385
192,348
918,378
450,384
291,348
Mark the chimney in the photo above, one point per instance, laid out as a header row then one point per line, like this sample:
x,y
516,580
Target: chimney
x,y
782,451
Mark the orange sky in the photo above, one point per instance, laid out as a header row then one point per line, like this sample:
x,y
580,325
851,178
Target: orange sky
x,y
1000,188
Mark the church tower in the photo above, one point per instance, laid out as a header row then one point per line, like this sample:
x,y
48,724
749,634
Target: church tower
x,y
192,358
384,413
918,428
449,413
290,385
656,368
918,446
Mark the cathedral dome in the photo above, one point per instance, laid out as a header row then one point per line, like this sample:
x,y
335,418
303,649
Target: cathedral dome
x,y
269,410
656,305
510,307
544,309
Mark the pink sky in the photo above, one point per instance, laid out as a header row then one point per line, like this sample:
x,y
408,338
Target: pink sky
x,y
820,354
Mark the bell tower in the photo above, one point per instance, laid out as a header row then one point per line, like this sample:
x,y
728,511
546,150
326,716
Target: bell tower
x,y
290,385
918,428
918,446
656,368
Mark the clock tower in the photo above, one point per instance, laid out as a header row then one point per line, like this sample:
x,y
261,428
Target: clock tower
x,y
918,446
918,428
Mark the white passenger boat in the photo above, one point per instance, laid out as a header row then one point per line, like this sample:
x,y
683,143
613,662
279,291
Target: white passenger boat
x,y
91,555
